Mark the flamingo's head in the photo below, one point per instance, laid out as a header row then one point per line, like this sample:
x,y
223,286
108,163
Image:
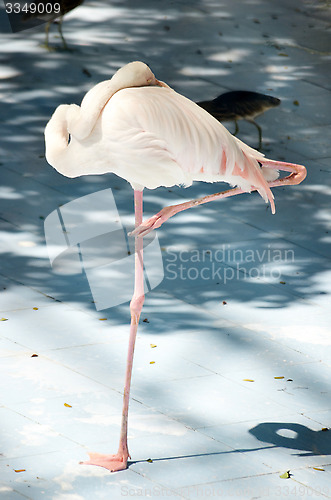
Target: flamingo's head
x,y
136,74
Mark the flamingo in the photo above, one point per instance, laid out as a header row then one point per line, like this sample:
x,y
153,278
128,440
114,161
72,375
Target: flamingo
x,y
140,129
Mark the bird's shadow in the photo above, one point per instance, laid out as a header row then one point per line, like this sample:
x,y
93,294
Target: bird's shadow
x,y
294,436
278,435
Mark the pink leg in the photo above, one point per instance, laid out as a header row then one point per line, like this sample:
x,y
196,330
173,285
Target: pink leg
x,y
119,461
298,173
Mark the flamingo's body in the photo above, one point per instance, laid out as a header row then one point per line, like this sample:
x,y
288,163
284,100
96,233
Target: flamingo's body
x,y
173,139
138,128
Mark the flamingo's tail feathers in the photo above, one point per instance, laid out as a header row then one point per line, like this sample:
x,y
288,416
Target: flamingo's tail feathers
x,y
260,179
267,195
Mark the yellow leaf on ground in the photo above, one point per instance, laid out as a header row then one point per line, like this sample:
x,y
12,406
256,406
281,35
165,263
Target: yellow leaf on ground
x,y
318,468
248,380
278,378
153,345
68,406
19,470
286,475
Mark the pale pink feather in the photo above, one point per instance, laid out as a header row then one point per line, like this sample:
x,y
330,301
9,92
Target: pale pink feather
x,y
152,136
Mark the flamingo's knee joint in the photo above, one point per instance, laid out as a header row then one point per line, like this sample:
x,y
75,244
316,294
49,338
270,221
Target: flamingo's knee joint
x,y
136,306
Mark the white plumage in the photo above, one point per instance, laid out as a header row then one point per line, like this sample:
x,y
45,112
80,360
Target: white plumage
x,y
151,136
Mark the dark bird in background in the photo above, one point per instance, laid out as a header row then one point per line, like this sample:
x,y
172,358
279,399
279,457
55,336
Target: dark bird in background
x,y
240,105
65,7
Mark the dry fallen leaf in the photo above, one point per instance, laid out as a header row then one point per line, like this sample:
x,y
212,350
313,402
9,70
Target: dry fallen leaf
x,y
325,429
35,308
3,319
153,345
319,468
102,319
248,380
151,362
286,475
278,378
68,406
149,460
19,470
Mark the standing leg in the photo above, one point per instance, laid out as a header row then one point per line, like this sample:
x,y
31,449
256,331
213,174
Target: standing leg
x,y
59,27
259,129
119,461
47,27
236,130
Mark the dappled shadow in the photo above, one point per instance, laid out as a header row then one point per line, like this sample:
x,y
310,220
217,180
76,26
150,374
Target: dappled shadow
x,y
106,35
203,67
210,319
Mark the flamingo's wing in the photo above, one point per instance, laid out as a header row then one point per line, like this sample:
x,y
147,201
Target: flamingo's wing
x,y
181,141
151,136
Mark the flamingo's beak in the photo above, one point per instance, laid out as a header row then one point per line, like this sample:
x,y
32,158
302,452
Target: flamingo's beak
x,y
161,84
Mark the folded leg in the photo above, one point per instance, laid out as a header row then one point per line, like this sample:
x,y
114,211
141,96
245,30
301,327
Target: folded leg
x,y
298,173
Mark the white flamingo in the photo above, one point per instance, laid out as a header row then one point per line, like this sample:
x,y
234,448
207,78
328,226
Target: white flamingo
x,y
140,129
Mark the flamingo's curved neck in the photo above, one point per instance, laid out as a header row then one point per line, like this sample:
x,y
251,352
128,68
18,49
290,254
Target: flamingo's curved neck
x,y
56,134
